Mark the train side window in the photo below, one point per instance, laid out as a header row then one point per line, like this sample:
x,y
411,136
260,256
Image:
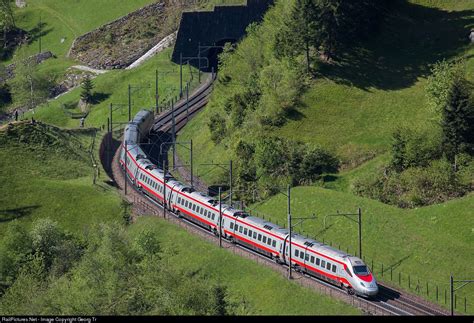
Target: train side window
x,y
255,235
250,233
264,239
297,252
328,266
323,263
241,229
194,207
236,227
245,231
232,225
269,241
205,213
213,215
259,237
179,200
312,259
306,257
274,244
317,261
302,255
334,268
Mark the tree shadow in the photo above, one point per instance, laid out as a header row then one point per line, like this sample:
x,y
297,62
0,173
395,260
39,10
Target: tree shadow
x,y
98,97
7,215
409,42
14,39
38,31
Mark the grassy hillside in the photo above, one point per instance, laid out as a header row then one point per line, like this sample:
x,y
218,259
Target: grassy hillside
x,y
112,87
47,172
426,243
351,108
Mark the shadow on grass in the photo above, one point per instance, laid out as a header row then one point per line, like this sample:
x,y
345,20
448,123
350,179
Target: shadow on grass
x,y
413,38
38,31
7,215
98,97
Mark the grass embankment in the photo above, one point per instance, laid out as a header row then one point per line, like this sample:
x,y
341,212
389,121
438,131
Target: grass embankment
x,y
257,290
352,108
47,172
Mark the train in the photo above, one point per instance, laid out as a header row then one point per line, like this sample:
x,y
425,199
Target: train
x,y
307,255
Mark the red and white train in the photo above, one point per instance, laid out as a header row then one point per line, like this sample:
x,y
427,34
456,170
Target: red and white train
x,y
310,256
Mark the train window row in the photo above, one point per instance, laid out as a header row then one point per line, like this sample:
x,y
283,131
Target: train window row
x,y
253,234
151,182
314,260
196,208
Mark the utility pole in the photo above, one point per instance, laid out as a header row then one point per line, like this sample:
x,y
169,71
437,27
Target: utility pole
x,y
110,117
187,101
220,219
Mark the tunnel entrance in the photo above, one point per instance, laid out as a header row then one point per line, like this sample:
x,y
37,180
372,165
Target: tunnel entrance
x,y
210,55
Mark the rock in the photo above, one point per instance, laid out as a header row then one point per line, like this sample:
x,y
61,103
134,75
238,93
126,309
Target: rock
x,y
20,3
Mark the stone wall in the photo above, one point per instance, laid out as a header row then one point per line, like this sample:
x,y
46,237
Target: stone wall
x,y
38,58
224,23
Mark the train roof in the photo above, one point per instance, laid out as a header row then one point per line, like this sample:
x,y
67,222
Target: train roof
x,y
320,247
141,116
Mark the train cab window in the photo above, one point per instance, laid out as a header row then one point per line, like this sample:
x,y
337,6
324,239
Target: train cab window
x,y
323,263
274,244
333,268
250,233
264,239
297,252
328,266
312,259
255,235
306,257
317,261
232,225
245,231
259,237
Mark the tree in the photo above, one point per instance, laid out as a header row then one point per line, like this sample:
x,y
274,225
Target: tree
x,y
443,76
86,92
298,34
458,122
29,87
7,20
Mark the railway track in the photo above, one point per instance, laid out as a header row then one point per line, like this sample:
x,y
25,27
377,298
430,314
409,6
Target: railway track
x,y
388,302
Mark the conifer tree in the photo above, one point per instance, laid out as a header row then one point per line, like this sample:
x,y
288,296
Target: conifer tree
x,y
87,86
458,122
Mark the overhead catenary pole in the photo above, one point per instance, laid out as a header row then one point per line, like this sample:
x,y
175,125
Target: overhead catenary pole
x,y
187,101
181,74
230,182
111,117
126,170
156,92
192,181
289,235
199,59
359,214
451,294
39,39
173,134
129,102
164,188
220,218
